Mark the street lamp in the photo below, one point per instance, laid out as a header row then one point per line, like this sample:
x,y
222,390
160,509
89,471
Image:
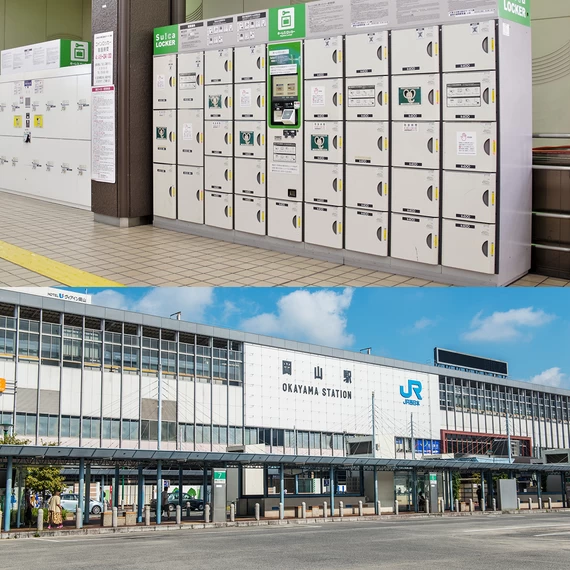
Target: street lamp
x,y
178,315
366,349
6,429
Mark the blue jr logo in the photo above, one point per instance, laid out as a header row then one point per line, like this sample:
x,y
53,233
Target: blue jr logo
x,y
414,388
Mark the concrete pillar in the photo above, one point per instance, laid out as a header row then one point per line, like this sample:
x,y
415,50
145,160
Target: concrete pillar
x,y
540,503
396,508
257,511
115,517
325,509
471,508
494,504
147,515
81,501
303,510
379,508
518,504
232,513
360,511
331,477
427,506
78,518
159,488
456,505
178,514
116,487
341,509
207,513
180,487
376,488
281,511
530,503
140,494
282,486
8,495
441,505
86,510
40,521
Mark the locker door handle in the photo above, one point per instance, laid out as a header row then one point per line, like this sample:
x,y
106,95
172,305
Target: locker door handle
x,y
485,45
337,228
259,101
335,142
486,95
486,197
200,80
198,138
487,147
294,221
227,65
379,233
429,241
259,216
336,185
228,138
335,99
227,174
485,249
430,49
259,63
199,195
172,137
335,56
431,97
172,82
430,145
379,53
430,193
172,192
381,98
379,188
259,177
380,145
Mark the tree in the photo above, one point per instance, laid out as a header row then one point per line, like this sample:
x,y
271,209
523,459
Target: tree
x,y
8,439
45,479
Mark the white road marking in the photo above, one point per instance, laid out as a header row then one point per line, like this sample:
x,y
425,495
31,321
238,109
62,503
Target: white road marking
x,y
520,527
554,533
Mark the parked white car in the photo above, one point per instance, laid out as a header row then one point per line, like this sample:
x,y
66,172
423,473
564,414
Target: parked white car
x,y
69,502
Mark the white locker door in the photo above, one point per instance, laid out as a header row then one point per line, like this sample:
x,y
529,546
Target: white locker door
x,y
367,187
219,102
366,54
415,191
366,232
219,210
470,96
250,176
218,175
6,121
164,203
415,238
324,142
470,196
367,100
250,64
250,215
284,220
468,46
219,138
415,97
367,143
415,51
191,194
164,86
164,136
249,102
323,225
219,64
415,145
60,116
468,246
470,146
324,184
250,139
323,57
82,108
323,100
191,80
191,139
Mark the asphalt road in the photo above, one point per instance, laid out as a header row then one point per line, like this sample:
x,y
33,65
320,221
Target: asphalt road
x,y
506,542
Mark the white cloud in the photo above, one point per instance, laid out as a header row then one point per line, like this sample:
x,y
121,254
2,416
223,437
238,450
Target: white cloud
x,y
552,377
230,309
318,317
110,298
506,326
423,324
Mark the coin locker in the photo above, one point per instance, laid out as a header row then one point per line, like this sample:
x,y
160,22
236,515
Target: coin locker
x,y
415,238
367,187
250,64
367,143
366,231
323,100
250,177
219,102
415,50
191,80
324,225
470,96
164,149
218,174
191,139
164,203
58,110
416,97
219,66
6,115
218,210
469,46
250,102
164,86
285,177
367,99
191,194
415,191
366,54
324,141
469,246
415,145
470,196
250,139
324,183
470,146
82,116
250,215
285,220
219,138
323,57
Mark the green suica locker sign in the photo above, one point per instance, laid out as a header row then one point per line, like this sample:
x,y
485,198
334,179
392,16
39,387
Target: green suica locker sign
x,y
515,10
287,23
166,40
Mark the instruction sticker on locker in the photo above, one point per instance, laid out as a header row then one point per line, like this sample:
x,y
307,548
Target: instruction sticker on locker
x,y
362,96
245,97
161,82
284,152
188,81
187,132
284,168
411,127
467,144
464,95
318,96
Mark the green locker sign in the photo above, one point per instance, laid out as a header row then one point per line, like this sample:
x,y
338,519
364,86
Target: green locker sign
x,y
166,40
74,53
215,101
287,23
246,138
410,95
320,142
161,133
515,10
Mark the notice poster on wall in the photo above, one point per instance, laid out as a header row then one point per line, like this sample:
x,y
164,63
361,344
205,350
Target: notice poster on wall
x,y
413,12
103,134
103,59
463,8
327,17
369,13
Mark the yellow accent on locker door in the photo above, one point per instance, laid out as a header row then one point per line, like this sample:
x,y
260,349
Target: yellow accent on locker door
x,y
17,121
436,48
492,44
385,144
262,101
340,142
230,211
436,193
340,56
263,178
340,227
230,138
39,121
229,174
492,198
386,98
340,185
492,250
494,147
437,97
493,95
385,53
298,221
340,99
230,102
262,62
262,216
436,145
229,65
435,242
385,189
201,137
262,140
201,195
385,234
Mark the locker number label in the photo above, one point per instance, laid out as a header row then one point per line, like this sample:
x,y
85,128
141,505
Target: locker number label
x,y
466,143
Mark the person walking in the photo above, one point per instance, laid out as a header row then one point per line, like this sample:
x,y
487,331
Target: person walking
x,y
28,506
54,511
480,497
164,503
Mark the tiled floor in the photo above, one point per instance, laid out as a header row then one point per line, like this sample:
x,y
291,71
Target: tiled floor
x,y
147,255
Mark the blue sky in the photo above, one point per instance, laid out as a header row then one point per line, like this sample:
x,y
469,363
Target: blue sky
x,y
527,327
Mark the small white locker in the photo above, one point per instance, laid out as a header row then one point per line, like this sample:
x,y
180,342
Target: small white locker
x,y
323,225
470,196
468,46
415,50
191,194
415,145
164,137
323,100
285,220
218,175
164,203
367,99
82,105
250,177
164,86
218,66
249,101
415,191
415,238
219,210
366,54
415,97
366,231
324,184
324,141
219,102
219,138
191,139
470,96
323,57
191,80
367,187
250,139
250,64
367,143
470,146
468,246
250,216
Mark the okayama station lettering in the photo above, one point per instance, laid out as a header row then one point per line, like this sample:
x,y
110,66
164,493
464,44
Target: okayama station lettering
x,y
314,391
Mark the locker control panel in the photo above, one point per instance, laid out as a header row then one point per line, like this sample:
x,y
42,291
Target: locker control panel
x,y
285,86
